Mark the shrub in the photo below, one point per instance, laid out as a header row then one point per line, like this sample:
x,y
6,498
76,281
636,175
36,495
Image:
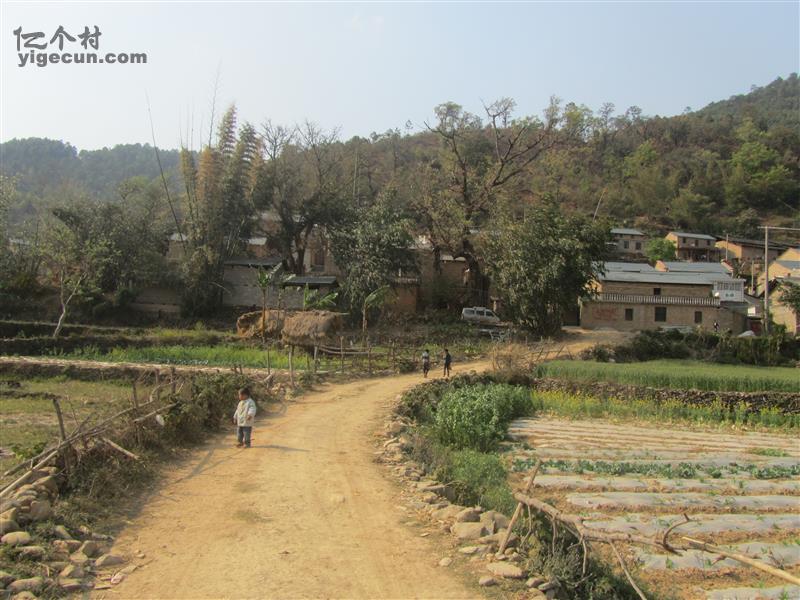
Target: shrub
x,y
477,479
476,416
649,345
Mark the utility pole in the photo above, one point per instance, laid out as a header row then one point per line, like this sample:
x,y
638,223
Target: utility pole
x,y
766,280
766,229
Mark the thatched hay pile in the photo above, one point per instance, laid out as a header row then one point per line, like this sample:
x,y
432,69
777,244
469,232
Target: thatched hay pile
x,y
258,323
309,328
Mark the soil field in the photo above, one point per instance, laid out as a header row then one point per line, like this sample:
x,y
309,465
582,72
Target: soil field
x,y
741,489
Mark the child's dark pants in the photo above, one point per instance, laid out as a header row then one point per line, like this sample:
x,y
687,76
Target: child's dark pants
x,y
243,435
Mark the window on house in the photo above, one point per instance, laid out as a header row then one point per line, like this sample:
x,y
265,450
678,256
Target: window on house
x,y
638,245
683,240
656,291
626,244
708,242
661,314
629,314
698,316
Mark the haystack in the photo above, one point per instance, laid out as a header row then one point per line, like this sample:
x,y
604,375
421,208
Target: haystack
x,y
259,322
310,328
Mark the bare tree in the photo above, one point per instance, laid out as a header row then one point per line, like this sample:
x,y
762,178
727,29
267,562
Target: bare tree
x,y
301,180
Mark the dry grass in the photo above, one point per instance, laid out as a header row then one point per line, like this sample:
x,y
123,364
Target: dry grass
x,y
513,357
310,327
257,323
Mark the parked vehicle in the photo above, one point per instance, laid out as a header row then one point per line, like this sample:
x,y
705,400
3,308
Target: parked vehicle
x,y
480,315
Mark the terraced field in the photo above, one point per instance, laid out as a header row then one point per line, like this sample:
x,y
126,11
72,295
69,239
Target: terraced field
x,y
741,490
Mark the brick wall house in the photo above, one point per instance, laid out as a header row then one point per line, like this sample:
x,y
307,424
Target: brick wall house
x,y
650,299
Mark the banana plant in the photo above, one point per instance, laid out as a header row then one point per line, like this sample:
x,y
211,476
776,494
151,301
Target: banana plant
x,y
315,300
374,299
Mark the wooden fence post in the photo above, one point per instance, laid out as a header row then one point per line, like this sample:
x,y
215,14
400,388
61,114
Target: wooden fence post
x,y
269,366
135,400
316,349
369,357
62,430
173,383
341,351
291,364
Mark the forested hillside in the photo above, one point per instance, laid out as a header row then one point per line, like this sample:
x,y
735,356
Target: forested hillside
x,y
724,168
48,171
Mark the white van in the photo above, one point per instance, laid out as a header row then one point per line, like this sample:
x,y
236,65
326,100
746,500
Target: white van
x,y
480,315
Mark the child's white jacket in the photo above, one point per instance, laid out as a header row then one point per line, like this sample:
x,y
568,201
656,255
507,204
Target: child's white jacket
x,y
245,414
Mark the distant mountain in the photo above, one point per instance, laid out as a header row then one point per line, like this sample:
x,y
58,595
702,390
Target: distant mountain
x,y
774,105
726,168
43,166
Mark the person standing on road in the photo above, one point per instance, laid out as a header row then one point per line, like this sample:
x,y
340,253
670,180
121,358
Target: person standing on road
x,y
448,361
244,417
426,363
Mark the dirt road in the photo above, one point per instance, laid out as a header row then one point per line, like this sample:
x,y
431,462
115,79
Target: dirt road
x,y
304,513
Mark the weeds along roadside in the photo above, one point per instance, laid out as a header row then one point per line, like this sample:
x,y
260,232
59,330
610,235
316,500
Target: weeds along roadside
x,y
105,486
459,426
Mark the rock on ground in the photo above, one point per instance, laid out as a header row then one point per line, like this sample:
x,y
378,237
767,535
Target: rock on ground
x,y
40,510
468,531
486,581
468,515
447,513
7,526
89,548
70,585
71,572
535,582
507,570
108,560
62,532
31,552
16,538
33,584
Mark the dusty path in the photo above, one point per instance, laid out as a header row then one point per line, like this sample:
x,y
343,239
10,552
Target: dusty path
x,y
305,513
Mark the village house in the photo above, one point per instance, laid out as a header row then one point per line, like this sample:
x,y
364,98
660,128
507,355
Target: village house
x,y
786,265
784,269
694,246
628,243
781,313
641,297
747,255
680,266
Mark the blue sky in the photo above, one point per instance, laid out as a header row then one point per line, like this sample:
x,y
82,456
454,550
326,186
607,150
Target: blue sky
x,y
368,67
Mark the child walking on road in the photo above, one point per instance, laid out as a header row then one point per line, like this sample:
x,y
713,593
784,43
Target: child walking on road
x,y
244,417
426,363
448,362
